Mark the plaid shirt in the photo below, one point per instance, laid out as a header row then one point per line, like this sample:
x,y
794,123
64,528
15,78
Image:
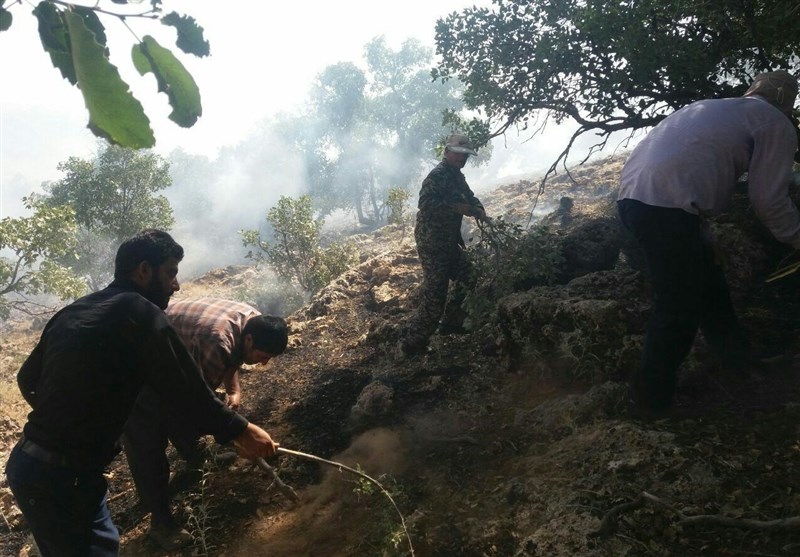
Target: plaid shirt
x,y
211,329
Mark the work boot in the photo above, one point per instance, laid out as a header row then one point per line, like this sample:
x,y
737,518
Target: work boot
x,y
169,536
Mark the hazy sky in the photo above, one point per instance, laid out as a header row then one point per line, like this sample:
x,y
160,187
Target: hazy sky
x,y
264,56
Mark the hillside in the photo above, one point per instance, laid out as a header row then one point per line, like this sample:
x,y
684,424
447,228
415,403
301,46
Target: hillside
x,y
512,440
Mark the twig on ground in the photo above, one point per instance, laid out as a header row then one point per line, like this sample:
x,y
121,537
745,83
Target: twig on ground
x,y
609,522
373,481
784,269
284,488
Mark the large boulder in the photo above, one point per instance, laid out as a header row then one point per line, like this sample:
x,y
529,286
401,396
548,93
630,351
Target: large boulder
x,y
590,328
591,246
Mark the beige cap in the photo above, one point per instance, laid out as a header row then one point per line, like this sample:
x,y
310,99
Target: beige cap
x,y
459,143
778,87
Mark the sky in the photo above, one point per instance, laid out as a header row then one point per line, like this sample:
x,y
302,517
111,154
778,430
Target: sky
x,y
264,57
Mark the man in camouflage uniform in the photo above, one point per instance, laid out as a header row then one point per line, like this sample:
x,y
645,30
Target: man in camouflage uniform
x,y
444,199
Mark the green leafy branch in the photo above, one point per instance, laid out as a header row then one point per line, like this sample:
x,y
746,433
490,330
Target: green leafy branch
x,y
36,242
507,259
75,39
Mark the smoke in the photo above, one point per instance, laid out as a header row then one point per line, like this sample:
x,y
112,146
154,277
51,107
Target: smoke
x,y
376,452
214,199
328,512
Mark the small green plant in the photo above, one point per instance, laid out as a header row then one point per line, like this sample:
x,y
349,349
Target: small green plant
x,y
386,528
577,347
396,201
295,251
200,514
357,471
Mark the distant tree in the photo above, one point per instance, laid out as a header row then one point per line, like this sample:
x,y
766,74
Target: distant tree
x,y
113,197
74,37
35,243
295,251
609,65
375,128
396,201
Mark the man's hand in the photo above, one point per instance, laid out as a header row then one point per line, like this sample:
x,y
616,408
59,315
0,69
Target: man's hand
x,y
469,210
254,442
233,400
463,208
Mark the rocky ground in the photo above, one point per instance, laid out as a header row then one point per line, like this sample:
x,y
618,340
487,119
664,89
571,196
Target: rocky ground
x,y
512,440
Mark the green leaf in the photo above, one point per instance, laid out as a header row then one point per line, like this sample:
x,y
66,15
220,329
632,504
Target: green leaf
x,y
5,19
114,113
55,39
93,23
190,35
172,78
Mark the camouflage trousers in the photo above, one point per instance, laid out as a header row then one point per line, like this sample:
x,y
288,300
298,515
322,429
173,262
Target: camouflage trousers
x,y
439,267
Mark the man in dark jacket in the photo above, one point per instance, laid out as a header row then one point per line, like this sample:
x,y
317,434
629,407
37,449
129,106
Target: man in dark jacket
x,y
444,199
82,379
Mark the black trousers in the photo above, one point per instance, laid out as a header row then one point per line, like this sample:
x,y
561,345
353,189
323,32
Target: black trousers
x,y
150,427
690,293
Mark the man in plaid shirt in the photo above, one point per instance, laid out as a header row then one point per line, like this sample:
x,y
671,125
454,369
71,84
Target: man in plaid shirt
x,y
221,335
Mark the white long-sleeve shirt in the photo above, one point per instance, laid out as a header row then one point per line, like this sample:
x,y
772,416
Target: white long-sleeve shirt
x,y
692,159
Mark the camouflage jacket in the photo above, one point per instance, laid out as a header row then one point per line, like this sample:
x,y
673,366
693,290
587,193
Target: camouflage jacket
x,y
438,223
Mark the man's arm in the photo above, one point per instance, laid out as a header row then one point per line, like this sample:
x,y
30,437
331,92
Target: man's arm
x,y
170,370
29,374
469,210
475,204
768,182
233,389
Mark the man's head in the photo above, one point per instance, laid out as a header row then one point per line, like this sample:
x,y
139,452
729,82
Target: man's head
x,y
150,259
778,87
457,149
264,338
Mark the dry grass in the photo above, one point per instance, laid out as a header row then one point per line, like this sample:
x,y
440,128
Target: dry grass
x,y
14,348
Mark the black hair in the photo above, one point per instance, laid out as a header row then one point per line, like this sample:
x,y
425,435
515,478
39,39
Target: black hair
x,y
151,245
270,334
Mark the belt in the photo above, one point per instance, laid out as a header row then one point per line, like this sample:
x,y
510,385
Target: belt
x,y
44,455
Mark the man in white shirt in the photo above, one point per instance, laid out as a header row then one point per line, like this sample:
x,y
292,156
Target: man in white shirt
x,y
684,171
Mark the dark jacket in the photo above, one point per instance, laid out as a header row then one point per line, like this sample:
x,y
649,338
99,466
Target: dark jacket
x,y
93,358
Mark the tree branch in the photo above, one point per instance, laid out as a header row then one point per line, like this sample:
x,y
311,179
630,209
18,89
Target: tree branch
x,y
609,523
149,14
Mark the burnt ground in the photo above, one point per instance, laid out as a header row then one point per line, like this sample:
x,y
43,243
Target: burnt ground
x,y
483,458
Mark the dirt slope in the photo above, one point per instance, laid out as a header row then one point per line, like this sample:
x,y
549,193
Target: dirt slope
x,y
486,455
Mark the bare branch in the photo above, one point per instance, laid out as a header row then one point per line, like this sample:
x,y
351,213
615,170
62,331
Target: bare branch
x,y
373,481
609,523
